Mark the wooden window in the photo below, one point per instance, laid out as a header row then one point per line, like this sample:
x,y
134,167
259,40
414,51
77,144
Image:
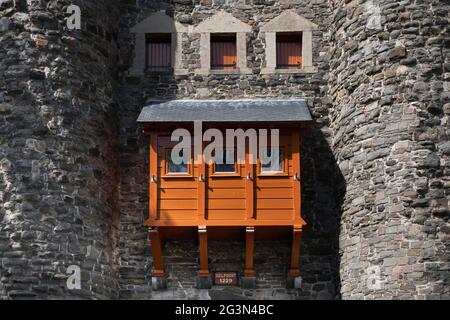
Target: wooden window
x,y
223,166
271,165
223,52
176,168
289,50
159,52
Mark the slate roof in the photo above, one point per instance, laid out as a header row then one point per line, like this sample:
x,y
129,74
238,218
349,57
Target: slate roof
x,y
291,110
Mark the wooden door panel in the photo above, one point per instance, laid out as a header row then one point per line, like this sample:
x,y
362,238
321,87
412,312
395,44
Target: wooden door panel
x,y
182,204
226,204
274,193
225,183
274,204
174,194
171,214
278,214
226,214
225,193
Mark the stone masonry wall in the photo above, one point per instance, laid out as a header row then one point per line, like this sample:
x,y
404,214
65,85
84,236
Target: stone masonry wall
x,y
389,84
319,259
57,149
74,164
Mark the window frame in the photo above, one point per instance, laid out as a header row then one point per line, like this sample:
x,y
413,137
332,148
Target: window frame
x,y
284,163
237,168
167,149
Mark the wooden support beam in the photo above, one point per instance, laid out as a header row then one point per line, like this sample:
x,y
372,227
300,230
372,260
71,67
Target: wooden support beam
x,y
203,248
154,179
249,252
295,254
250,178
155,243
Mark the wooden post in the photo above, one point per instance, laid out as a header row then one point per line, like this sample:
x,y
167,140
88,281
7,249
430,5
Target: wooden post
x,y
296,175
155,243
203,248
250,188
295,254
201,189
249,252
154,179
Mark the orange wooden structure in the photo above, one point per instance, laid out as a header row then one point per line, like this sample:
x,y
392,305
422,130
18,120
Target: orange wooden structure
x,y
224,201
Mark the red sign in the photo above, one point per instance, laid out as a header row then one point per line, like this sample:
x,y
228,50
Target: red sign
x,y
225,279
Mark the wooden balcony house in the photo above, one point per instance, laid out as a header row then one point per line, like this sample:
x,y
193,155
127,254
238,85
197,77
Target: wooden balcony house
x,y
245,200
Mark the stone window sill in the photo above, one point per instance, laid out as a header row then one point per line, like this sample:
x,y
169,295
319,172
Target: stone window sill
x,y
306,70
225,72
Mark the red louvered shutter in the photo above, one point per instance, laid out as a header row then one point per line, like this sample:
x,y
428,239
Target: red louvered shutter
x,y
289,51
223,53
159,53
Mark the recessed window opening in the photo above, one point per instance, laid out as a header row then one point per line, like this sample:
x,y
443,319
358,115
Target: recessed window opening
x,y
221,161
289,50
159,51
223,51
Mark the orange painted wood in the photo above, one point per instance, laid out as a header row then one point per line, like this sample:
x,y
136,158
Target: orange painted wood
x,y
250,187
296,171
178,183
275,215
226,204
224,223
178,204
201,187
229,201
295,253
249,252
178,215
153,172
177,194
225,183
274,193
226,214
203,248
155,242
237,193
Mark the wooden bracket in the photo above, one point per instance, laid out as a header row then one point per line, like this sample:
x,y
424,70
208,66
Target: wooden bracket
x,y
203,248
295,254
155,243
249,252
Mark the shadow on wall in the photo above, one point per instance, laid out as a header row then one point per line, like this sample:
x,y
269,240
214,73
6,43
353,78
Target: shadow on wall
x,y
323,192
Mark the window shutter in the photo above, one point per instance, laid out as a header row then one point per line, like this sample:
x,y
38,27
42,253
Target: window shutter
x,y
223,55
158,55
289,53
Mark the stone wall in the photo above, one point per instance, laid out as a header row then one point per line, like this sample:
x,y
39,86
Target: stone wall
x,y
390,92
319,259
57,150
74,164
